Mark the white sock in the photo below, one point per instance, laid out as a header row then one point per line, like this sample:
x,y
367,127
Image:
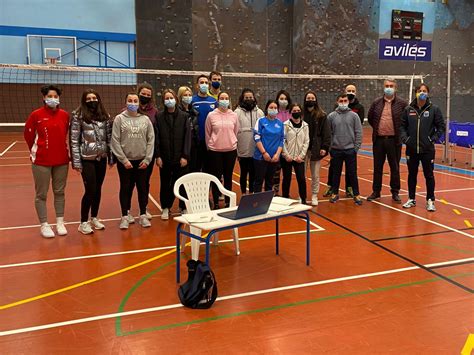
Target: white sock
x,y
59,220
44,224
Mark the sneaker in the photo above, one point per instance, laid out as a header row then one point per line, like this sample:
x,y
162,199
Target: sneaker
x,y
46,231
165,215
314,200
357,200
396,198
130,218
349,192
61,227
328,192
96,224
124,222
334,198
373,196
430,206
409,204
148,215
144,221
85,228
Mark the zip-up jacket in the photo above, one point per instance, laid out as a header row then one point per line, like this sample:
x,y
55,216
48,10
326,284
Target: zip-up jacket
x,y
270,132
375,113
174,136
46,135
245,139
319,136
296,140
89,141
421,127
358,108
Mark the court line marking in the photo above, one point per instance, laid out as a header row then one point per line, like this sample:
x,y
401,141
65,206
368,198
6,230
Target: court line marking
x,y
467,223
154,202
425,219
6,149
5,266
222,298
9,165
11,158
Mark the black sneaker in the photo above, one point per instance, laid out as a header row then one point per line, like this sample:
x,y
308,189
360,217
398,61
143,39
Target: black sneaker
x,y
396,198
373,196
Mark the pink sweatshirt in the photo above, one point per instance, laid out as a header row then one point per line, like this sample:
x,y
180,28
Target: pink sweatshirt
x,y
221,130
284,115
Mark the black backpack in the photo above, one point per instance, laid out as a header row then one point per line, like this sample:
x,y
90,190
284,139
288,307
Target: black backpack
x,y
200,290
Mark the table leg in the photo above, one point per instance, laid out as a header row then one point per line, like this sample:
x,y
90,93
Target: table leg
x,y
208,244
178,252
277,236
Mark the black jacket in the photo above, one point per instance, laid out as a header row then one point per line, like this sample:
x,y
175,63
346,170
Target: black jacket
x,y
174,133
421,127
319,135
358,108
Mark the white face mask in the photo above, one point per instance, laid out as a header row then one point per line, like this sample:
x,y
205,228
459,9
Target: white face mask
x,y
272,112
283,103
224,103
187,99
170,103
51,102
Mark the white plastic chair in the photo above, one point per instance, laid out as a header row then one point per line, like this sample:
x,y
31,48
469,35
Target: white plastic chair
x,y
197,187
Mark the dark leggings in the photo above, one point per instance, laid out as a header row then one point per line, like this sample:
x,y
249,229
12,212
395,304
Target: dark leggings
x,y
128,179
287,168
149,172
264,172
222,165
247,168
93,174
169,173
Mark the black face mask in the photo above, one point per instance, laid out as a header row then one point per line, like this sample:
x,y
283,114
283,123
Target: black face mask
x,y
249,105
144,100
296,115
351,96
309,104
92,105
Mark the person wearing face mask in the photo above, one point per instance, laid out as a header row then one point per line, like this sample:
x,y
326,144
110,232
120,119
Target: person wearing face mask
x,y
222,126
422,124
90,134
269,135
346,131
248,113
133,140
294,151
172,149
385,118
203,104
45,133
185,96
215,81
354,103
319,140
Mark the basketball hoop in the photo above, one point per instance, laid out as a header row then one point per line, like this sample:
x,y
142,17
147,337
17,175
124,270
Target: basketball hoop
x,y
51,61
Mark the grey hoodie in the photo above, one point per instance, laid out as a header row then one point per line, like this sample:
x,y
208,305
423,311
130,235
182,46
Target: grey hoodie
x,y
133,138
346,129
245,139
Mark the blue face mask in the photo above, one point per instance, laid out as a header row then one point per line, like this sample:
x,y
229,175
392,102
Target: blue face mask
x,y
187,99
132,107
203,88
272,112
216,84
422,96
389,91
170,103
224,103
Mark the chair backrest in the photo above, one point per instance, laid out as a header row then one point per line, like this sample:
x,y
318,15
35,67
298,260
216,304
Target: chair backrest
x,y
197,187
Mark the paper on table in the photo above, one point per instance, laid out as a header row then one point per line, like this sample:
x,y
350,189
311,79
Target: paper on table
x,y
283,201
279,208
192,218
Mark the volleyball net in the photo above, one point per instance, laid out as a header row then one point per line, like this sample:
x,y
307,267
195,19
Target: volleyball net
x,y
20,86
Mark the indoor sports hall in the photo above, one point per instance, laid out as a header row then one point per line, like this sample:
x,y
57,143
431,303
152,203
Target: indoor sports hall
x,y
374,277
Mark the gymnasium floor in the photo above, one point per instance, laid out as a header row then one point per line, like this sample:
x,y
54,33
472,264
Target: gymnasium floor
x,y
382,279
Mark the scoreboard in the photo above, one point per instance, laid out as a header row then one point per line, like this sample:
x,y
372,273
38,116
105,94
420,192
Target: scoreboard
x,y
407,25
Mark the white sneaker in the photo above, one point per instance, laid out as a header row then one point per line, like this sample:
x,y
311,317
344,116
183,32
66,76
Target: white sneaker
x,y
60,226
130,218
46,231
96,224
165,215
314,200
409,204
144,221
85,228
430,206
124,222
148,215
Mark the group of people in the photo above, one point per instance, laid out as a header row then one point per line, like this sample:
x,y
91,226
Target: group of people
x,y
201,132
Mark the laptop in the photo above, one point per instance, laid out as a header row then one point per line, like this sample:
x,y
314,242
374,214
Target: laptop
x,y
250,205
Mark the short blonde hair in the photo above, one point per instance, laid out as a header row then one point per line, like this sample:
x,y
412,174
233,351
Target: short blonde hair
x,y
182,90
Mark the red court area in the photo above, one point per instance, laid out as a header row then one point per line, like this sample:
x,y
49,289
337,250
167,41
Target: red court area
x,y
382,279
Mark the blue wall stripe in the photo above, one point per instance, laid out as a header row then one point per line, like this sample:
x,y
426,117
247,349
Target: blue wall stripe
x,y
103,36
